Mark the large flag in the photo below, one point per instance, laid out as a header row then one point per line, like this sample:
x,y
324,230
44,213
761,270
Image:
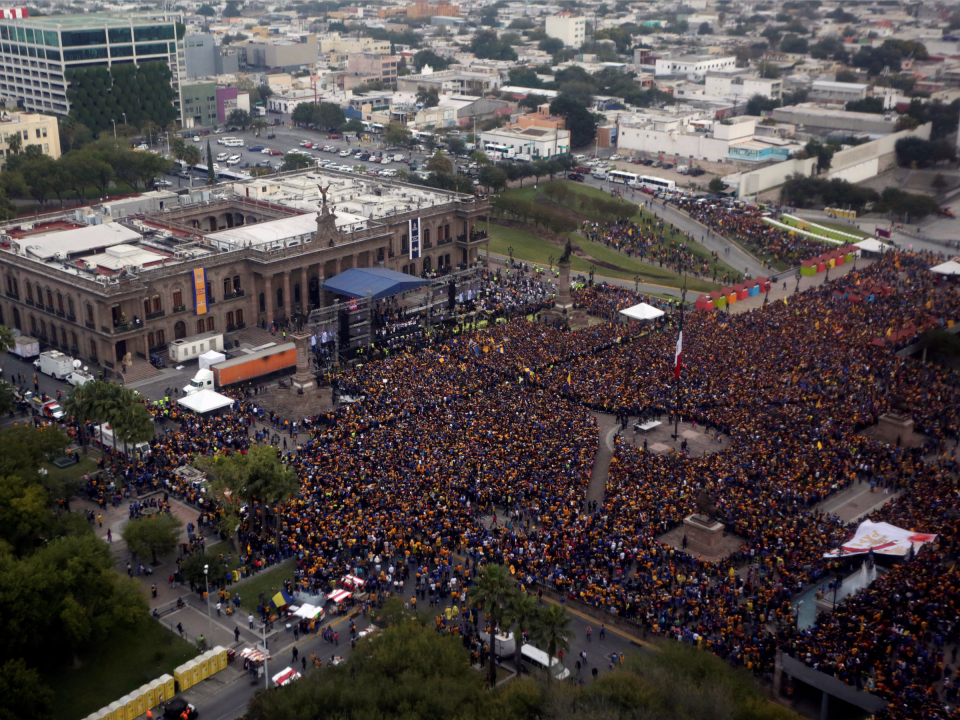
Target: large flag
x,y
678,355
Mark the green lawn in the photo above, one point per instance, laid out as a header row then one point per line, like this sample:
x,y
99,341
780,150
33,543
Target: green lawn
x,y
267,581
63,482
117,665
848,229
528,193
527,246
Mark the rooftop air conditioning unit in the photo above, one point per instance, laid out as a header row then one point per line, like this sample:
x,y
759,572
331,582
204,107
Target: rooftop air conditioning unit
x,y
89,265
27,226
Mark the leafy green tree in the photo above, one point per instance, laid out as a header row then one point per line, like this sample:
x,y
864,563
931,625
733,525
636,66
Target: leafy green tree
x,y
704,29
239,117
396,133
456,146
25,519
550,45
206,11
24,694
867,105
579,121
330,116
406,672
353,126
191,156
494,590
492,177
155,535
232,9
715,185
428,96
488,46
440,164
15,143
303,113
133,424
429,57
794,44
296,161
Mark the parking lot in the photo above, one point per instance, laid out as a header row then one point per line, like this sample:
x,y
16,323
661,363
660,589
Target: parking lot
x,y
268,152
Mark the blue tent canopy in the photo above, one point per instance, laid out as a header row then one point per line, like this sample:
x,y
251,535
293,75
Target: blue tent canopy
x,y
378,282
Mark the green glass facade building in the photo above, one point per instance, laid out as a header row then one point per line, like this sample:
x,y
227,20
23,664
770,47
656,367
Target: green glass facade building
x,y
35,53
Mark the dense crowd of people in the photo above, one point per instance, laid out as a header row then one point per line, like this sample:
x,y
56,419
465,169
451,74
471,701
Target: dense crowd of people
x,y
471,426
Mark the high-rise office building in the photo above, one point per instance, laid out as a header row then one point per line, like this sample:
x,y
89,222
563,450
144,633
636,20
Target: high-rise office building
x,y
37,52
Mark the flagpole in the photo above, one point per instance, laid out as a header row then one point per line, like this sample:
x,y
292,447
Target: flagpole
x,y
676,418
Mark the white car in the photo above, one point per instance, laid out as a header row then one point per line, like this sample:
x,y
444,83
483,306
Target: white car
x,y
398,158
344,153
386,160
303,143
231,162
265,151
196,138
614,157
344,168
234,157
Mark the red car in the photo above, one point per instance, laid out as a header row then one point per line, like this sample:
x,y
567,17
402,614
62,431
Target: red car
x,y
309,145
275,152
333,136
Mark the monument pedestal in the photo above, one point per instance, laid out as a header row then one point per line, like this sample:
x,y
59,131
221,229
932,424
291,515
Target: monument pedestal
x,y
896,429
704,536
303,379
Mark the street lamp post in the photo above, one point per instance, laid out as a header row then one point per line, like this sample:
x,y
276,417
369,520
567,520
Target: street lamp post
x,y
636,283
592,268
510,251
114,129
206,580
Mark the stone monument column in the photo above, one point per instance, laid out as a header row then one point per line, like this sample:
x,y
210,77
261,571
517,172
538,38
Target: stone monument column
x,y
303,378
564,300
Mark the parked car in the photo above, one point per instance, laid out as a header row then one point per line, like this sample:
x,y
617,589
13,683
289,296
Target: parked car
x,y
575,176
667,166
614,157
255,148
333,136
275,152
271,136
183,174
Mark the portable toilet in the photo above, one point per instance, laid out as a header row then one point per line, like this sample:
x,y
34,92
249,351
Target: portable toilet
x,y
140,700
114,711
130,703
183,677
221,655
704,303
203,662
149,692
169,687
195,672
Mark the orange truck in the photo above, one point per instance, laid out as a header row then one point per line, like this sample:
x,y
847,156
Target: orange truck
x,y
269,362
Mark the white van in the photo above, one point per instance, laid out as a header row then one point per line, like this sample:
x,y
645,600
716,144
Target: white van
x,y
234,142
224,140
221,157
580,158
599,173
536,659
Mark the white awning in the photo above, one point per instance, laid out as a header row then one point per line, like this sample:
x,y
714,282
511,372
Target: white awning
x,y
642,312
205,401
951,267
871,245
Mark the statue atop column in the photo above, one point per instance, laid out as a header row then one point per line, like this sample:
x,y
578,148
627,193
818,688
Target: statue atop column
x,y
326,221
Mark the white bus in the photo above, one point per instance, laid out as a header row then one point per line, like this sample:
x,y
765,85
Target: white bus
x,y
617,176
372,127
495,151
654,183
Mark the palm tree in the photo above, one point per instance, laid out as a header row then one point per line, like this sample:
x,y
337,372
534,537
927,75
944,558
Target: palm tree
x,y
106,405
133,424
522,612
495,588
15,144
551,627
258,124
80,405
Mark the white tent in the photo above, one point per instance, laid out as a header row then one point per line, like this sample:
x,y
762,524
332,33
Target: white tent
x,y
951,267
871,245
308,611
642,312
211,357
205,401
